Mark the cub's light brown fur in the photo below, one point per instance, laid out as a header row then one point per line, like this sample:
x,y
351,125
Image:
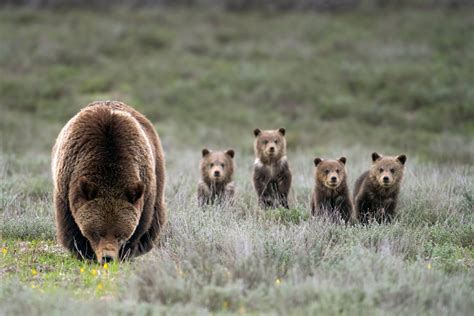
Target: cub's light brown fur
x,y
217,170
109,175
271,173
330,193
376,191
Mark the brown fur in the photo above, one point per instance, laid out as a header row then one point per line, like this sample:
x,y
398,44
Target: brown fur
x,y
330,193
109,173
217,170
271,173
374,198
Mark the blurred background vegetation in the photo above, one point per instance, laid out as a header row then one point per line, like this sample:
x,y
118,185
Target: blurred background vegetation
x,y
280,5
373,76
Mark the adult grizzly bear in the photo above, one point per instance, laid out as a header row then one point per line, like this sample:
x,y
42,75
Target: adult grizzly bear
x,y
271,172
217,169
109,174
376,190
330,193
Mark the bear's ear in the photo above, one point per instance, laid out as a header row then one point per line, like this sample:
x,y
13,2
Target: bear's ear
x,y
375,156
402,158
205,152
317,161
257,132
282,131
135,191
230,152
343,160
88,189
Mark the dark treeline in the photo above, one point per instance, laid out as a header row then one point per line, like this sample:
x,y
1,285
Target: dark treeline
x,y
240,5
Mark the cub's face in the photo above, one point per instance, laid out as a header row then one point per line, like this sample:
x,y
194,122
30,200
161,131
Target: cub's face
x,y
330,173
271,144
106,221
217,166
387,170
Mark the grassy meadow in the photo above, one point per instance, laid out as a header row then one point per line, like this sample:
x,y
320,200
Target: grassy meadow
x,y
341,84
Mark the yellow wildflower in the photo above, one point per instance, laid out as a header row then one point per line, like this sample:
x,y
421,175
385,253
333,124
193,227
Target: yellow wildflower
x,y
81,270
277,282
428,266
4,250
94,272
34,272
106,266
225,305
100,287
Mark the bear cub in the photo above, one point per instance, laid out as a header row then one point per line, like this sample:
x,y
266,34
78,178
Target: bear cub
x,y
376,190
217,170
271,172
330,193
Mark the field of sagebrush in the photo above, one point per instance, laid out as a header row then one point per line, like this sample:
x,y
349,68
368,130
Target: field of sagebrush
x,y
344,84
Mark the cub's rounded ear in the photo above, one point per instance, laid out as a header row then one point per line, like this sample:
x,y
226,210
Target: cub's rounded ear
x,y
375,156
282,131
343,160
257,132
402,158
135,191
317,161
230,152
205,152
88,189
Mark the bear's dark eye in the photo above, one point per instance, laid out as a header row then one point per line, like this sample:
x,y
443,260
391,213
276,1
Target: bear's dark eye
x,y
337,170
265,142
327,171
392,170
212,165
222,165
276,141
381,169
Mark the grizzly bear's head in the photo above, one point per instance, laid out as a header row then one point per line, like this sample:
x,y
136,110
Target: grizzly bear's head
x,y
330,173
388,170
218,166
270,145
107,217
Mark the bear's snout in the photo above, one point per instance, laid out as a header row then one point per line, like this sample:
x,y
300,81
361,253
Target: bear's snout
x,y
107,251
217,173
331,180
107,255
386,180
106,258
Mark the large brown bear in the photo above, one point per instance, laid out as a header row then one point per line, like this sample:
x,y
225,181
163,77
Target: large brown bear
x,y
376,191
217,170
271,172
330,194
109,174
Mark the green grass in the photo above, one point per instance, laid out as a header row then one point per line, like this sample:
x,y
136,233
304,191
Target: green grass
x,y
345,84
44,266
